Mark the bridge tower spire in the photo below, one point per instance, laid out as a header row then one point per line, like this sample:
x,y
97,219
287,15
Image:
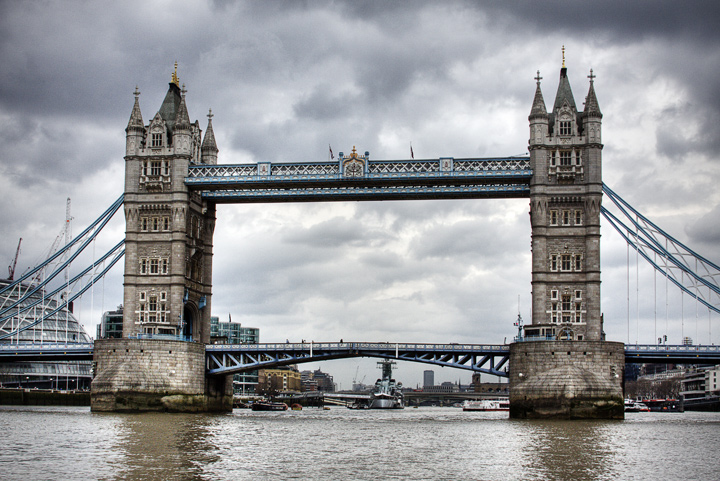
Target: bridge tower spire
x,y
570,371
168,269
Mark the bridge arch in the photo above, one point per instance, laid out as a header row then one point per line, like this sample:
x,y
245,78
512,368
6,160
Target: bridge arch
x,y
223,359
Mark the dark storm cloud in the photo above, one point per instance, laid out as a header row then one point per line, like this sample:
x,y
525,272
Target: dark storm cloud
x,y
680,37
617,20
60,150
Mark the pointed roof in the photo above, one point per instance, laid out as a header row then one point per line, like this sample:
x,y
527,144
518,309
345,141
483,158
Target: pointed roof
x,y
170,106
538,107
209,140
136,120
182,119
564,92
591,103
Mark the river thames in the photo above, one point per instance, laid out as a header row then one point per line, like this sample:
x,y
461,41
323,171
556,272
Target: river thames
x,y
69,443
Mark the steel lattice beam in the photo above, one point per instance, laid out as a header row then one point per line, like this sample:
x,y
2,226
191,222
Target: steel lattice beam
x,y
674,354
444,178
46,352
225,359
228,359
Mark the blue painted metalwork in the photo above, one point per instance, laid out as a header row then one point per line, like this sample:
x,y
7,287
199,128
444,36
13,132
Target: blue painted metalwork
x,y
443,178
46,352
689,271
86,237
675,354
493,359
11,315
233,358
27,303
162,337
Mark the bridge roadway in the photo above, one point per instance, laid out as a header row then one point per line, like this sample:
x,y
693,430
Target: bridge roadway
x,y
493,359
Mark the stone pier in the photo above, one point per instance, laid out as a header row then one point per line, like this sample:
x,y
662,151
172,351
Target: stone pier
x,y
133,375
567,379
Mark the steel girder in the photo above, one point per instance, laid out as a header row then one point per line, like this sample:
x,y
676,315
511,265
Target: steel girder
x,y
674,354
444,178
233,358
82,351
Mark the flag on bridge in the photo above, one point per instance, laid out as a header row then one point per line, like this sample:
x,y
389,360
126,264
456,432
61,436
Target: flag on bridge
x,y
331,153
411,152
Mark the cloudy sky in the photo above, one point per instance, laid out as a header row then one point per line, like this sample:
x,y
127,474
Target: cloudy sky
x,y
285,79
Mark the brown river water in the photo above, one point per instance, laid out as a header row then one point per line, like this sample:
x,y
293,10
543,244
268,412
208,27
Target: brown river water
x,y
70,443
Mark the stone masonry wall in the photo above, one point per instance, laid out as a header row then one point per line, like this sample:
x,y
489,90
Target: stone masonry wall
x,y
567,379
155,375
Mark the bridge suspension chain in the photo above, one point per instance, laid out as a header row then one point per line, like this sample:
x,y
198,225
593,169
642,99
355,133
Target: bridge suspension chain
x,y
17,308
690,272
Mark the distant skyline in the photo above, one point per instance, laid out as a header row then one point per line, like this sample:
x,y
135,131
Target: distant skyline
x,y
286,80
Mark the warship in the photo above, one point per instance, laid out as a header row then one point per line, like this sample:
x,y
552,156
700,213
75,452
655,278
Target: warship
x,y
387,394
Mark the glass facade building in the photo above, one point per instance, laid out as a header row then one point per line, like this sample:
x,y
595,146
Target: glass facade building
x,y
111,325
234,333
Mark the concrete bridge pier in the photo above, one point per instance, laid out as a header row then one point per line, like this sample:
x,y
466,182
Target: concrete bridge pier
x,y
567,379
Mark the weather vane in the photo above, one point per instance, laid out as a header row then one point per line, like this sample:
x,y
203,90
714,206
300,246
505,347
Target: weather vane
x,y
175,79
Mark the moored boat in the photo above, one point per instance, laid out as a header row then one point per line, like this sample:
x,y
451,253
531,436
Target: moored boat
x,y
500,404
387,394
635,406
268,406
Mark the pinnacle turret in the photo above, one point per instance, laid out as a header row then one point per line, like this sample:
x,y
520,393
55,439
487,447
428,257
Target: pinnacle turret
x,y
136,120
591,104
538,107
209,147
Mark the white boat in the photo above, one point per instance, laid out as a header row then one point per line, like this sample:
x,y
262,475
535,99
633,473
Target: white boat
x,y
635,406
500,404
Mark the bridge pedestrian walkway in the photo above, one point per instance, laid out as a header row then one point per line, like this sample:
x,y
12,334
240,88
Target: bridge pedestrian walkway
x,y
492,359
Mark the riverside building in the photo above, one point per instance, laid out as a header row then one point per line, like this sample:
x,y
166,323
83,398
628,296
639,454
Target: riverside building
x,y
42,324
234,333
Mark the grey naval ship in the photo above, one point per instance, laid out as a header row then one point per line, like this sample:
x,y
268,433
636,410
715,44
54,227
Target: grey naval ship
x,y
387,394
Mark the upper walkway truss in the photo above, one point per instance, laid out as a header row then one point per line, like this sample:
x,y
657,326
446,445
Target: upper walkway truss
x,y
443,178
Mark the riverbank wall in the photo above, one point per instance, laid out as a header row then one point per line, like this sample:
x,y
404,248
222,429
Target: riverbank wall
x,y
42,397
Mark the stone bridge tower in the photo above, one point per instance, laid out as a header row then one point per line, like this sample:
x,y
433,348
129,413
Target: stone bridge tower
x,y
564,368
160,362
565,195
169,229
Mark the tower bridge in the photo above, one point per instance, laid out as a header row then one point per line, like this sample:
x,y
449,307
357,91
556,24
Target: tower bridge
x,y
173,183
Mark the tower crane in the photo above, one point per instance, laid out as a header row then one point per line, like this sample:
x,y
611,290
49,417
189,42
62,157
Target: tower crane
x,y
11,268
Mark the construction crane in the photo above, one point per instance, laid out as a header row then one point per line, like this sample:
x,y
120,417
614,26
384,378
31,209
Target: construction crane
x,y
11,268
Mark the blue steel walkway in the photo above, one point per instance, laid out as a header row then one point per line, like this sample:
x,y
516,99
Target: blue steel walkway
x,y
232,358
443,178
487,358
